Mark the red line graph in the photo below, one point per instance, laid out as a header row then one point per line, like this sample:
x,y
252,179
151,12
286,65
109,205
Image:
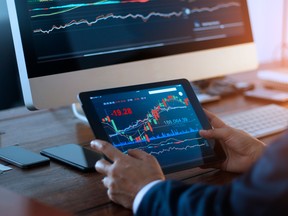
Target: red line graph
x,y
109,16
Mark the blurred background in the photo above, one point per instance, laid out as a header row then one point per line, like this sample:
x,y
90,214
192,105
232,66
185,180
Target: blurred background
x,y
268,24
269,27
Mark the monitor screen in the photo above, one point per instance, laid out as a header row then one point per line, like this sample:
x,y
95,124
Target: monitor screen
x,y
98,44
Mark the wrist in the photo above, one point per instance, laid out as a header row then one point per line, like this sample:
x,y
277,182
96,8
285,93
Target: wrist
x,y
140,195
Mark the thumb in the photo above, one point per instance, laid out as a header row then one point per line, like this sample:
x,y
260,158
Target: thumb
x,y
137,153
218,133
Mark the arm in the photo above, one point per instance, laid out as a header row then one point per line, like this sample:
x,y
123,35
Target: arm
x,y
261,191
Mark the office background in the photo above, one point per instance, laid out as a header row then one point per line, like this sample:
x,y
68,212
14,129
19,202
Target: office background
x,y
267,25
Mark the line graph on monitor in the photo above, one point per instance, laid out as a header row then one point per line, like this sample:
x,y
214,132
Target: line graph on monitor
x,y
130,14
138,25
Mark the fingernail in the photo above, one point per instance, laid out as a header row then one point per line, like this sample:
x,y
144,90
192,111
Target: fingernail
x,y
94,143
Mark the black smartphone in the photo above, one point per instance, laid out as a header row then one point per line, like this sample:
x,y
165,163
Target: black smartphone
x,y
21,157
73,155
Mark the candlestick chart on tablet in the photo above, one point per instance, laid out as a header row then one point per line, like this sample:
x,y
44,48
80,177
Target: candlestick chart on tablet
x,y
161,122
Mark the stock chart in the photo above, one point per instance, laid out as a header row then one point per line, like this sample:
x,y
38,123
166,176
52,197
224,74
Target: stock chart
x,y
162,123
72,12
90,27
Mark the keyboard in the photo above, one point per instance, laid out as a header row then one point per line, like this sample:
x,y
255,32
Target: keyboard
x,y
260,121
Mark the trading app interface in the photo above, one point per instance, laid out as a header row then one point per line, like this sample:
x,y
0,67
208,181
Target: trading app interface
x,y
160,121
64,29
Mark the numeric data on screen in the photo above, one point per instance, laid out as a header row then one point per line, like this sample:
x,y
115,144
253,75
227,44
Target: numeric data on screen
x,y
161,122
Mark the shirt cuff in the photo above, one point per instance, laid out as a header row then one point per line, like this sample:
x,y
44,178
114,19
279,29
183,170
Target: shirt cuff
x,y
142,193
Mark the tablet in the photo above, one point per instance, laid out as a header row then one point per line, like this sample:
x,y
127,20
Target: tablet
x,y
162,119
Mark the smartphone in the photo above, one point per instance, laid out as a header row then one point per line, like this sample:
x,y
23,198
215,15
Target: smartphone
x,y
21,157
73,155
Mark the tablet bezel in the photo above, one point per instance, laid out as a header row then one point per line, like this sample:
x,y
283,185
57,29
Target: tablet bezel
x,y
99,131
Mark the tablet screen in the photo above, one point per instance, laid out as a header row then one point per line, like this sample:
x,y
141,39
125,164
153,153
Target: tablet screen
x,y
160,120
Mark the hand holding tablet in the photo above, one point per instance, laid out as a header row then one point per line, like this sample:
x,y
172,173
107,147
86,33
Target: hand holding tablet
x,y
161,118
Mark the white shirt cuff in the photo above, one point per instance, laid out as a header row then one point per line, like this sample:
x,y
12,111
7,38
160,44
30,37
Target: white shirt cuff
x,y
142,193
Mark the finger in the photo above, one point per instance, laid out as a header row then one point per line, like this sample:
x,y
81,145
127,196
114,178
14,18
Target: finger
x,y
209,114
137,153
106,182
102,166
107,149
219,133
214,120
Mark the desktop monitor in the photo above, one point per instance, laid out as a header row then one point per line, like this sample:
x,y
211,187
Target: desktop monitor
x,y
64,47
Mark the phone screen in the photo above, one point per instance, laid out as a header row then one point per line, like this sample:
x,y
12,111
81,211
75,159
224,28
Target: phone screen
x,y
21,157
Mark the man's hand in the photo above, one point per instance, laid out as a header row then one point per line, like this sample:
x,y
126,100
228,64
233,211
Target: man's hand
x,y
127,174
241,149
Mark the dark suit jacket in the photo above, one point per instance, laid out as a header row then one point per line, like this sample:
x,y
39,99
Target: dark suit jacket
x,y
261,191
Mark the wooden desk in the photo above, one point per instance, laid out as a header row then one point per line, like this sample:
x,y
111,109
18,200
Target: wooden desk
x,y
12,204
68,189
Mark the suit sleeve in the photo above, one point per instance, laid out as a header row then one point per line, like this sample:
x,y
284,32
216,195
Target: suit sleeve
x,y
261,191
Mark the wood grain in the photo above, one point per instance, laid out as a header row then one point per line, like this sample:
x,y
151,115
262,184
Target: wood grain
x,y
69,189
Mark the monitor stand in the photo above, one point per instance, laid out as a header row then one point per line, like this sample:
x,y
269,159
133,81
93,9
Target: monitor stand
x,y
78,112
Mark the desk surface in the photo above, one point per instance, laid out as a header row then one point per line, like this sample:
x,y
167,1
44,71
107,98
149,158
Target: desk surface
x,y
71,190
